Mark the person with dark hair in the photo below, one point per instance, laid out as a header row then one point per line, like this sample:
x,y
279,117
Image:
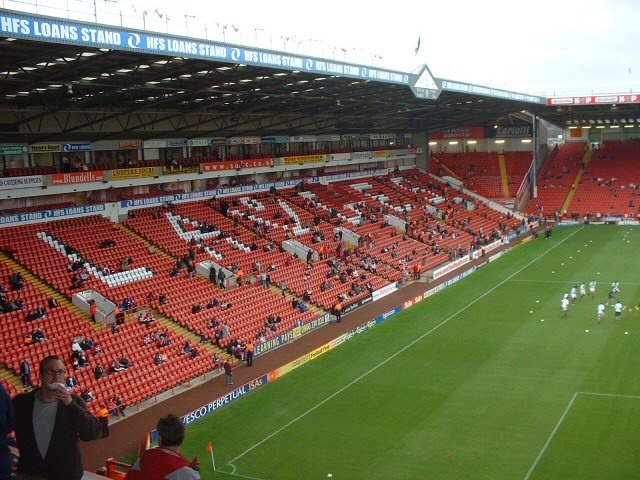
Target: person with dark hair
x,y
165,461
228,370
25,374
50,421
117,406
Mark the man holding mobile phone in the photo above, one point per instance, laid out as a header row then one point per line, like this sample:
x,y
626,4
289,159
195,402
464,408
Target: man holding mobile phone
x,y
49,423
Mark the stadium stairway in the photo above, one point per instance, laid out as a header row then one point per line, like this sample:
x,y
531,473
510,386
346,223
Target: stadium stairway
x,y
586,158
50,291
290,296
446,168
504,176
159,250
11,378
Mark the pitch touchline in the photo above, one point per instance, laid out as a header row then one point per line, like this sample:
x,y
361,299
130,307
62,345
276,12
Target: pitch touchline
x,y
403,349
561,420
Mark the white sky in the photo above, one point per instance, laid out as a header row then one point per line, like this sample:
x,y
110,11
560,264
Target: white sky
x,y
542,47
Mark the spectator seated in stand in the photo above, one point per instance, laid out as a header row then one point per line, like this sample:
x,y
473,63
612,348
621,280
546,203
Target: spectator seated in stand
x,y
115,367
86,344
109,242
125,362
37,314
38,336
71,382
75,345
117,406
97,349
128,304
16,281
147,319
217,362
162,339
99,372
295,303
87,395
160,358
83,360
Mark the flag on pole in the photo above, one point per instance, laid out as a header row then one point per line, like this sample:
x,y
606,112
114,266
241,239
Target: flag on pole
x,y
418,46
210,450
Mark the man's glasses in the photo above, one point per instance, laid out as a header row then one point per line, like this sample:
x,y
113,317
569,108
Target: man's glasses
x,y
52,373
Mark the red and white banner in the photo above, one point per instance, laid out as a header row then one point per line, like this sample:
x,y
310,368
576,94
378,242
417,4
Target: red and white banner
x,y
236,164
77,177
594,100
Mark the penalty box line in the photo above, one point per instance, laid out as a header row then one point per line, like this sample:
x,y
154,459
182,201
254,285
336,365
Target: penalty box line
x,y
561,420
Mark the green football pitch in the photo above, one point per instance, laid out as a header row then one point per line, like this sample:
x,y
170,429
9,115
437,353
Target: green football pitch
x,y
483,380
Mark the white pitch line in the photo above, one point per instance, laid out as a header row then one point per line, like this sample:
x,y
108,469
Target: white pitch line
x,y
551,435
562,417
238,475
403,349
616,395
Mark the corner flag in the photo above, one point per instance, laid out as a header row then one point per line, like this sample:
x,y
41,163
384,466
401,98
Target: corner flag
x,y
210,449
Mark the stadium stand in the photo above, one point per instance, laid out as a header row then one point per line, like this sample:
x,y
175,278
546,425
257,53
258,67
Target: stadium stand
x,y
610,184
557,177
480,171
